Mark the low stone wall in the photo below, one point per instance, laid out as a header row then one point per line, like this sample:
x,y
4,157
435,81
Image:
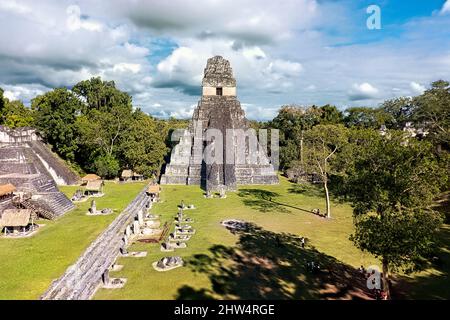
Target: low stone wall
x,y
81,280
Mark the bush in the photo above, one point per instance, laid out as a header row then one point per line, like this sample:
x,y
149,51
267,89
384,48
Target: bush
x,y
107,166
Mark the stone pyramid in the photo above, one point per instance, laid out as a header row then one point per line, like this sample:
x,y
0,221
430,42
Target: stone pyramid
x,y
218,109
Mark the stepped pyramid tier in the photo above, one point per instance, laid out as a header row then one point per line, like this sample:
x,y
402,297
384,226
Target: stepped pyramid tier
x,y
233,162
28,164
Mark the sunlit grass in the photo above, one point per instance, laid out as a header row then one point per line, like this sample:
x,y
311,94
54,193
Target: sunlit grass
x,y
278,209
29,265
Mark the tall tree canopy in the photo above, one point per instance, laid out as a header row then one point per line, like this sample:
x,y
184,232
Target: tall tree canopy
x,y
364,117
55,115
2,101
322,146
432,111
398,112
14,114
392,184
95,126
143,148
101,95
293,121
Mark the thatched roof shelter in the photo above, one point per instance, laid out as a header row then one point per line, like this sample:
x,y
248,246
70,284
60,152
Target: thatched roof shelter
x,y
6,189
15,218
90,177
130,174
94,185
127,174
154,189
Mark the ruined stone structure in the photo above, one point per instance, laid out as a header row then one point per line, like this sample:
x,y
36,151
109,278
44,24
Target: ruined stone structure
x,y
218,109
28,164
81,280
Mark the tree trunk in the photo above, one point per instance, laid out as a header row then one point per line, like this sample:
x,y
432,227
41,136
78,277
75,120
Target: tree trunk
x,y
386,286
327,196
301,152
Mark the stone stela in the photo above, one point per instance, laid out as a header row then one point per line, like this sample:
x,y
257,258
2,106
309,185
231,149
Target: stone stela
x,y
219,110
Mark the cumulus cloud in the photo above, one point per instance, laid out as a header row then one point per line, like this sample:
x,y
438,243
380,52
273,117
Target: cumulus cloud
x,y
249,21
23,93
363,91
56,45
183,69
417,88
445,8
14,6
75,22
281,53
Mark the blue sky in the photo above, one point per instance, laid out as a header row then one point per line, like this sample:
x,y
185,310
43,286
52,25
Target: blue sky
x,y
288,52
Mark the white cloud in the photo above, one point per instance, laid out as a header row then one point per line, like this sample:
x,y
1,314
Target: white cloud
x,y
363,91
127,67
254,53
445,8
248,20
285,68
417,88
280,53
14,7
75,22
22,92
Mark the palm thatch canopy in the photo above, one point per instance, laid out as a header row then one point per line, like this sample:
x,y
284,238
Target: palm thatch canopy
x,y
90,177
6,189
127,174
94,185
154,189
15,218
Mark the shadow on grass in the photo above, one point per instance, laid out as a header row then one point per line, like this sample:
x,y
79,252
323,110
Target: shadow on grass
x,y
307,189
263,201
433,286
268,265
316,190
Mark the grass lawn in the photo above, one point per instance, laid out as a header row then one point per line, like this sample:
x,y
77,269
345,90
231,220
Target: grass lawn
x,y
263,263
29,265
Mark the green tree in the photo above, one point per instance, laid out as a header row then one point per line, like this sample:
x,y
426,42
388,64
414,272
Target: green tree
x,y
107,166
330,115
398,112
322,146
15,114
143,148
2,102
292,121
363,117
432,112
56,113
105,118
101,95
392,183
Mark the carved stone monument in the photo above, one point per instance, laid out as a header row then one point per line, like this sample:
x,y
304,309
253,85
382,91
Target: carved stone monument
x,y
218,109
93,208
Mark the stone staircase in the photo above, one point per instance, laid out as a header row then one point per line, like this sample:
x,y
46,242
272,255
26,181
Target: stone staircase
x,y
38,208
57,202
